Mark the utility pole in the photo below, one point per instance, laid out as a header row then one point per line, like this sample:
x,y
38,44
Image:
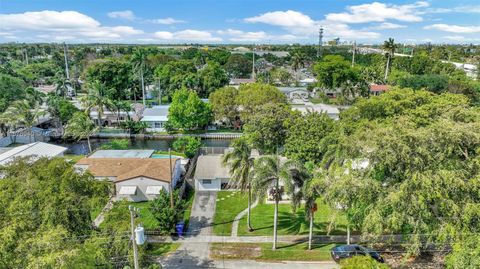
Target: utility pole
x,y
353,52
134,243
26,56
253,62
171,179
159,93
320,42
66,60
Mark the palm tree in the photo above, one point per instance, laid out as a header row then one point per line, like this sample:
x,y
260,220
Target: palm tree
x,y
80,126
269,171
139,59
96,99
241,162
25,114
298,61
34,97
389,46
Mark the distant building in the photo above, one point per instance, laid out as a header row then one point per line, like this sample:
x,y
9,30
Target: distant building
x,y
376,89
35,150
295,92
235,82
331,110
135,178
156,118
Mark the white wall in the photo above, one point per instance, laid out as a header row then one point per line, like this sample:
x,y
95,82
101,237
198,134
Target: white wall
x,y
142,183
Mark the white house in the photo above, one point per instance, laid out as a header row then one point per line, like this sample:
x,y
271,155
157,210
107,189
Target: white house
x,y
135,179
156,118
34,150
210,174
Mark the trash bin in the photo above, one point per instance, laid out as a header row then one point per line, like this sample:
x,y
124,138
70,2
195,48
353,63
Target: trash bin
x,y
179,228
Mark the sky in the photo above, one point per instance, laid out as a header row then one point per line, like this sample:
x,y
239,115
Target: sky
x,y
239,21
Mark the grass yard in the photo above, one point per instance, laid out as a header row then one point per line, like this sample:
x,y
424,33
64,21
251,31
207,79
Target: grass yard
x,y
264,252
146,217
290,223
160,249
229,205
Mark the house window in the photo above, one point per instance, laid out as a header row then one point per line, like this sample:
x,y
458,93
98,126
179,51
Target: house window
x,y
158,125
207,181
121,118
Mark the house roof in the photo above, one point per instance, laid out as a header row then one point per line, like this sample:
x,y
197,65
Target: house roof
x,y
210,167
129,153
128,168
379,88
156,113
238,81
38,149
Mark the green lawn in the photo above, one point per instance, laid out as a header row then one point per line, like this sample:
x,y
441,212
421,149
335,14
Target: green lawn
x,y
146,217
160,249
229,205
264,252
290,223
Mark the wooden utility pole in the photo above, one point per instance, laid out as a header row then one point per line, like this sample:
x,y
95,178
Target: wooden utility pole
x,y
134,243
171,178
353,52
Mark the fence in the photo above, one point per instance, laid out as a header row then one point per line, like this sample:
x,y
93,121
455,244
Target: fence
x,y
212,150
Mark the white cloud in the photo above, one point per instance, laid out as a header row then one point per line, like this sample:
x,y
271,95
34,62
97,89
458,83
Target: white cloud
x,y
459,9
379,12
166,21
55,25
125,14
453,28
298,23
387,25
459,38
241,36
187,35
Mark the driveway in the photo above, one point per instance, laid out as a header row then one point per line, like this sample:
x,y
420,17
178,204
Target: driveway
x,y
196,254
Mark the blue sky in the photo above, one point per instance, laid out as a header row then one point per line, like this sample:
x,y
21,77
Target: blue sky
x,y
238,21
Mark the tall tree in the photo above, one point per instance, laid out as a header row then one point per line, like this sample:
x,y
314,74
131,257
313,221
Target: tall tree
x,y
80,127
26,115
187,111
240,163
389,47
270,170
96,99
224,104
139,59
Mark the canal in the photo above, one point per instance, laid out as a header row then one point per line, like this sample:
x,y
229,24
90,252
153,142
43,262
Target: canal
x,y
81,147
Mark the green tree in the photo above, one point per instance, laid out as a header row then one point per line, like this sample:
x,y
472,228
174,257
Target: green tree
x,y
212,77
188,145
116,144
115,74
80,127
465,253
60,108
389,47
304,136
11,89
251,96
166,215
139,60
269,171
265,129
224,105
187,111
433,83
240,163
96,99
177,74
26,115
238,66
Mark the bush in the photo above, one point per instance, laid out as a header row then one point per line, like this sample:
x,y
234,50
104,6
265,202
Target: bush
x,y
117,144
167,217
362,262
189,145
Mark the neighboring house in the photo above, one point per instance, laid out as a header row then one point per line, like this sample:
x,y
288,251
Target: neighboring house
x,y
332,111
111,118
135,179
156,118
295,92
236,82
35,150
128,153
376,89
210,173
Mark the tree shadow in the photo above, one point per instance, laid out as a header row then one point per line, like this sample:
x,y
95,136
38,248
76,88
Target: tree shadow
x,y
196,224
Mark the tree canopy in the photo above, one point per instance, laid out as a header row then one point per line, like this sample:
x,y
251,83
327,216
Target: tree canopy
x,y
188,111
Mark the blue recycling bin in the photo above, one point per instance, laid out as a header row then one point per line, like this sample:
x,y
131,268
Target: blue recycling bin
x,y
179,228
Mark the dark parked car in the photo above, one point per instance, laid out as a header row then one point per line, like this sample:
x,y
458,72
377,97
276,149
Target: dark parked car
x,y
347,251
